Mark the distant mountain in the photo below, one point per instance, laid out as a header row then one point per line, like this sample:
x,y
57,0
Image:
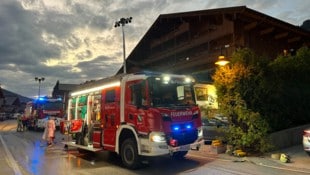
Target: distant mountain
x,y
22,99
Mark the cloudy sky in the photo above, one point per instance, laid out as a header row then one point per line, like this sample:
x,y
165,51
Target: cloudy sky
x,y
75,40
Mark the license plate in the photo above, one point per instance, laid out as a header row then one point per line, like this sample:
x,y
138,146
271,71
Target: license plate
x,y
184,148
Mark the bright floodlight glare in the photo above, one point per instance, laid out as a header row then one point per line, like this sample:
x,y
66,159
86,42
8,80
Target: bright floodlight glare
x,y
187,80
166,78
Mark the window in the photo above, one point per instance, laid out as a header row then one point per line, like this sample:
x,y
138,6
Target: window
x,y
133,97
138,94
110,96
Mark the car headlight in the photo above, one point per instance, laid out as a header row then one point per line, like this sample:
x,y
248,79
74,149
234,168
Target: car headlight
x,y
157,137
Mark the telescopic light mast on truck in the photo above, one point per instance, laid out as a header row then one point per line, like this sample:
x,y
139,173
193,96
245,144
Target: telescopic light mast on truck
x,y
135,115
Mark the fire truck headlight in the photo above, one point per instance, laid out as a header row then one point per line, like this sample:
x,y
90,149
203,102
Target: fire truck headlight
x,y
157,137
200,132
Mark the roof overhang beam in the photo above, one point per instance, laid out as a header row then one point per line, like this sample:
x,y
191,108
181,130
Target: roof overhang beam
x,y
250,26
281,35
267,31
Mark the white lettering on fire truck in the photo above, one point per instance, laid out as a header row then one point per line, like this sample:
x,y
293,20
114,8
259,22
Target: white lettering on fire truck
x,y
50,112
181,113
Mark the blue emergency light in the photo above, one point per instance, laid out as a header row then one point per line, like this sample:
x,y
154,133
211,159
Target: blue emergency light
x,y
41,99
176,128
184,126
188,126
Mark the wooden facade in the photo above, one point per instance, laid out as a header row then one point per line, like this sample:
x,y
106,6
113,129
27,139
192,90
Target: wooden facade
x,y
190,42
62,90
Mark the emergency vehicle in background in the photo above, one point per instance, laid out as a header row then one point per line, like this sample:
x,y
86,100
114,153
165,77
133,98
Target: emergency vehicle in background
x,y
36,112
135,115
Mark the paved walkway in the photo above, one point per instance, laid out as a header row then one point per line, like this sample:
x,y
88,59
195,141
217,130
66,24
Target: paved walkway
x,y
300,161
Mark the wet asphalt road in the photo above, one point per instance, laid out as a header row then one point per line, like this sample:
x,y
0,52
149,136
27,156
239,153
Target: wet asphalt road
x,y
24,153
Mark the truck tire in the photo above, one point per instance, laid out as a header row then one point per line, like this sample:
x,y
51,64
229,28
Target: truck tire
x,y
179,154
129,154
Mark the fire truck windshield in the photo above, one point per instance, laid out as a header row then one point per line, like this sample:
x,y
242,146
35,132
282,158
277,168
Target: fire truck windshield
x,y
52,105
167,91
49,104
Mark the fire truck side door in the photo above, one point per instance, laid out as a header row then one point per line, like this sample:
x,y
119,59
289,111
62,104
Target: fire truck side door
x,y
136,105
110,113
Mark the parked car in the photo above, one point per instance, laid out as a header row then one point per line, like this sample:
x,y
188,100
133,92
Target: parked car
x,y
213,129
306,141
2,116
221,118
41,123
15,115
8,116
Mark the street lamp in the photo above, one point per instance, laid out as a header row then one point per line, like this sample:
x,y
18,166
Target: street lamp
x,y
39,79
221,59
122,23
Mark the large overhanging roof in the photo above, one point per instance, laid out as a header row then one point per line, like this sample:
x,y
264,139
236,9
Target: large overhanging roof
x,y
165,23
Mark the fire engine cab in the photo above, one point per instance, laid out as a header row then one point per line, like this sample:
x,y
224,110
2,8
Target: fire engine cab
x,y
135,115
36,112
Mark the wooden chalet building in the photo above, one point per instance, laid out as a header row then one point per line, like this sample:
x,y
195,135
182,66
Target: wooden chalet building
x,y
190,42
11,102
62,90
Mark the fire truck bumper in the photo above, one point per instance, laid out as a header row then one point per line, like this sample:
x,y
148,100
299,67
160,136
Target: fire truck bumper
x,y
194,146
156,149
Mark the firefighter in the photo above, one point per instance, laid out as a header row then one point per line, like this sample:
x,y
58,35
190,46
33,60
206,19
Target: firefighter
x,y
19,123
51,127
49,131
24,122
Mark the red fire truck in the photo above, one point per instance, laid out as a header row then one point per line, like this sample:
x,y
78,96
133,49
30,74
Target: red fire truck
x,y
36,112
135,115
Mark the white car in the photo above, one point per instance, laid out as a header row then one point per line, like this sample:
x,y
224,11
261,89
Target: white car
x,y
41,123
306,141
2,116
16,115
57,122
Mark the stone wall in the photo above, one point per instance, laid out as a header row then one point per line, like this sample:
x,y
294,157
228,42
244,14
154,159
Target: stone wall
x,y
289,137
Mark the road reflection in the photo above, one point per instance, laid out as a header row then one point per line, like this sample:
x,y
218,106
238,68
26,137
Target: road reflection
x,y
35,158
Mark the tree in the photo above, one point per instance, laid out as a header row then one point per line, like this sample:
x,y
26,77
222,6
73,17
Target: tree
x,y
306,25
238,94
287,86
262,95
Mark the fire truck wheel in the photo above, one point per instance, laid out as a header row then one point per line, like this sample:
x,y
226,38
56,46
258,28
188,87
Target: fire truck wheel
x,y
179,154
129,154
